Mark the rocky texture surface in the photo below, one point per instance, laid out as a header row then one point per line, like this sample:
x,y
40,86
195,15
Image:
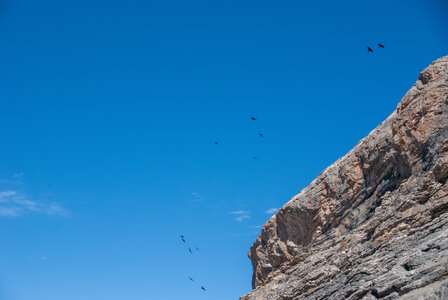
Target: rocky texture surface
x,y
374,225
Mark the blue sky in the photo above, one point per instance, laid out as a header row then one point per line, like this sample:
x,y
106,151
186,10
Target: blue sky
x,y
109,113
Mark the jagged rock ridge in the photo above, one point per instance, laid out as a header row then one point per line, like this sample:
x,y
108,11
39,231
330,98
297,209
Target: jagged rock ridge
x,y
374,225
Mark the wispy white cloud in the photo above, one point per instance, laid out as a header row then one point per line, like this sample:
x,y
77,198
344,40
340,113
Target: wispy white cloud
x,y
239,212
14,204
255,226
197,197
10,211
6,195
242,218
14,179
241,215
271,211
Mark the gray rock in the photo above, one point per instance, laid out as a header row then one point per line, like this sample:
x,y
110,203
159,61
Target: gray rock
x,y
373,225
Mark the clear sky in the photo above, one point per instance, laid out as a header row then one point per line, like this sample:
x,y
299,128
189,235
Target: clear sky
x,y
110,110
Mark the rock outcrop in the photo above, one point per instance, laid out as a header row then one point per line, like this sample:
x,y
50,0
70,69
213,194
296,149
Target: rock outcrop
x,y
374,225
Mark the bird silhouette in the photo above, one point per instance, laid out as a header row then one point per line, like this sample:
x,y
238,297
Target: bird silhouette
x,y
183,238
197,248
191,278
260,134
189,249
369,49
216,143
381,46
255,157
253,119
203,288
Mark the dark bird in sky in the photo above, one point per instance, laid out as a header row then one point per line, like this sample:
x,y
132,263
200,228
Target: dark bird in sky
x,y
197,248
191,278
216,143
260,134
369,49
189,249
381,46
253,119
203,288
255,157
183,238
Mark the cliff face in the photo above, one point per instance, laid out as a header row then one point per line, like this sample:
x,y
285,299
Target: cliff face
x,y
375,223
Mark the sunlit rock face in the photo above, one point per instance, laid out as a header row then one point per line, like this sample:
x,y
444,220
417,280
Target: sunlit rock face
x,y
374,225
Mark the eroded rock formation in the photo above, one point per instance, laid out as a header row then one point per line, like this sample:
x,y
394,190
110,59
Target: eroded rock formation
x,y
374,225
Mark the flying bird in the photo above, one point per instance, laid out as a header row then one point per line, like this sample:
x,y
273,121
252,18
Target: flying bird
x,y
197,248
203,288
255,157
183,238
253,119
191,278
189,249
381,46
216,143
260,134
369,49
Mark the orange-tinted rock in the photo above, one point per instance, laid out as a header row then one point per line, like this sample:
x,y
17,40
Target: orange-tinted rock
x,y
375,223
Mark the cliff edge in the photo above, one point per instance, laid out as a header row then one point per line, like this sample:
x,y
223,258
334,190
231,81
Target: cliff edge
x,y
373,225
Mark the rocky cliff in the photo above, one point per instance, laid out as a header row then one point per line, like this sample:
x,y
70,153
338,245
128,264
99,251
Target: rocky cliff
x,y
374,225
